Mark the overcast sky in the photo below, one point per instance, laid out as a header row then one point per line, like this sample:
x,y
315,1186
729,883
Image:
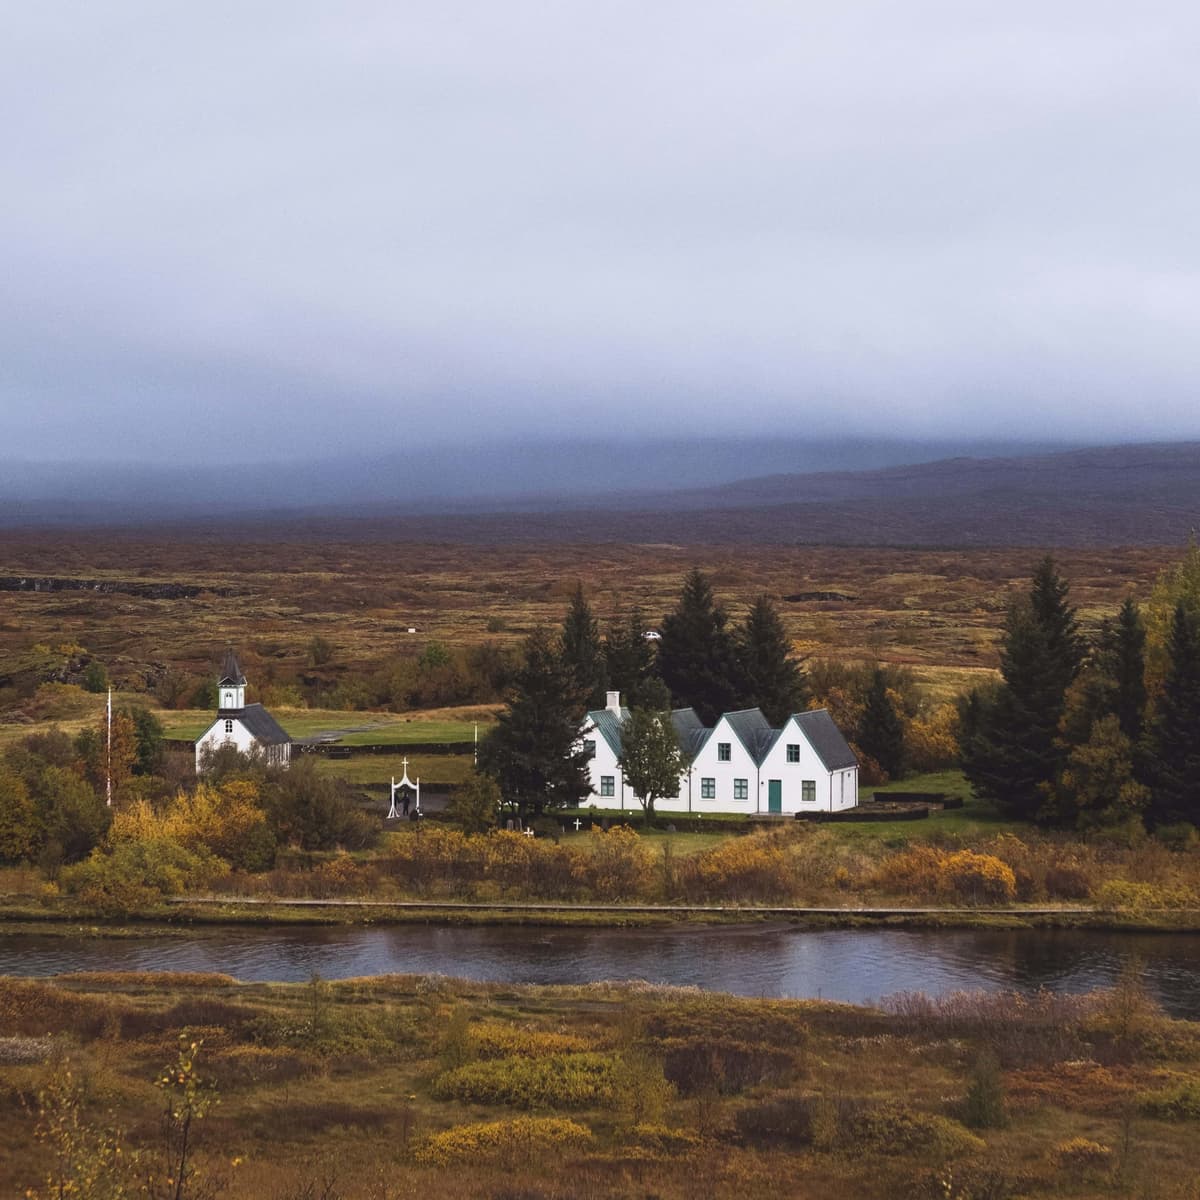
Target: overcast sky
x,y
248,229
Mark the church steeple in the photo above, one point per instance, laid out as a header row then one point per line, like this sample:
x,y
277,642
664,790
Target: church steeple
x,y
231,687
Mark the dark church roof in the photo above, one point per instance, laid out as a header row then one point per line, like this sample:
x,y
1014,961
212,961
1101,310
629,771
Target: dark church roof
x,y
262,725
231,672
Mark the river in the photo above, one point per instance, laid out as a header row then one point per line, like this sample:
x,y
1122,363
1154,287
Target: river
x,y
856,966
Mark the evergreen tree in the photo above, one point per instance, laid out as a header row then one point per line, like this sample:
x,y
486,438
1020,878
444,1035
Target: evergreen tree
x,y
881,731
582,652
696,656
650,757
1123,659
534,752
1174,736
772,679
1051,610
632,664
1012,752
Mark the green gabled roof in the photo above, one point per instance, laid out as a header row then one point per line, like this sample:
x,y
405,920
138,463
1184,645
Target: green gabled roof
x,y
608,724
690,731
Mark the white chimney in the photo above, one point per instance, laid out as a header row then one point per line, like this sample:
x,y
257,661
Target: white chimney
x,y
613,702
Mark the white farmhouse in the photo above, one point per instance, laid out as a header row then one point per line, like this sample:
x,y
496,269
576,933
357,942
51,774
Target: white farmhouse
x,y
740,765
249,727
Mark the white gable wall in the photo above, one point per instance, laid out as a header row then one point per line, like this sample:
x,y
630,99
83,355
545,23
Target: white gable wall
x,y
218,734
708,765
224,730
603,763
833,790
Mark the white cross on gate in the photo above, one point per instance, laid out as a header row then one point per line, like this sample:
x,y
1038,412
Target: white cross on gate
x,y
578,822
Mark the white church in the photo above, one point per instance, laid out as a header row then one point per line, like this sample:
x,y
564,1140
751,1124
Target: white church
x,y
739,765
249,727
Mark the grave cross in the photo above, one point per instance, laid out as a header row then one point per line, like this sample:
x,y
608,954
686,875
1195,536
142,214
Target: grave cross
x,y
578,822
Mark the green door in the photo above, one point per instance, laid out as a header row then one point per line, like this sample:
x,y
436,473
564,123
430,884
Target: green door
x,y
775,795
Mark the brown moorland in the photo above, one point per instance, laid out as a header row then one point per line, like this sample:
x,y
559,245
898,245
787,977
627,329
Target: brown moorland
x,y
938,612
401,1086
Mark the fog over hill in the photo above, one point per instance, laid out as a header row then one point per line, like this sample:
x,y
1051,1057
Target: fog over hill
x,y
524,474
1118,495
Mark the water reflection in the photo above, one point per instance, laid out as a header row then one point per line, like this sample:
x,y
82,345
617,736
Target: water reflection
x,y
850,965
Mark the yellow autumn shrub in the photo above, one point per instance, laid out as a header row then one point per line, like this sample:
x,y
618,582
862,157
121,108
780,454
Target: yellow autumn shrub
x,y
617,864
1080,1153
977,878
522,1139
501,1039
583,1080
748,869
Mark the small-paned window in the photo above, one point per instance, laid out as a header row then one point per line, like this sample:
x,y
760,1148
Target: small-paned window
x,y
724,751
607,785
708,789
228,726
589,747
808,791
741,789
793,752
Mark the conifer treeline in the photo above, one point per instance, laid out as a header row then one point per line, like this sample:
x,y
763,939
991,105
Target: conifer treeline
x,y
534,752
1082,734
701,662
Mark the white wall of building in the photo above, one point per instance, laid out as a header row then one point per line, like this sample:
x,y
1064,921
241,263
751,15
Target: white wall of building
x,y
230,731
723,774
832,791
603,765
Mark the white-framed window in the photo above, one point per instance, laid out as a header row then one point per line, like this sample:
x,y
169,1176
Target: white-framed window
x,y
724,751
793,752
608,785
808,791
228,728
741,789
589,747
708,789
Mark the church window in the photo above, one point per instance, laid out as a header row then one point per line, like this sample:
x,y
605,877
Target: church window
x,y
228,727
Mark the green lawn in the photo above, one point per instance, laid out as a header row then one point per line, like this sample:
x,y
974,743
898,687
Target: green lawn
x,y
374,728
379,768
977,818
414,729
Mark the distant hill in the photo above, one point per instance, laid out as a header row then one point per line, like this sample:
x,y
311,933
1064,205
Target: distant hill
x,y
1114,496
1111,496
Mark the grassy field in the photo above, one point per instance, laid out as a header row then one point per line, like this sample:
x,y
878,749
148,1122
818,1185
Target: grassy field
x,y
378,769
404,1086
369,728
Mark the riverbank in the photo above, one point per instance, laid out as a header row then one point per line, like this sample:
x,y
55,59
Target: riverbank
x,y
419,1085
182,913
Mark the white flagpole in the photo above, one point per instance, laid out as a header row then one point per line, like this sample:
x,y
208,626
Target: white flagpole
x,y
476,743
108,755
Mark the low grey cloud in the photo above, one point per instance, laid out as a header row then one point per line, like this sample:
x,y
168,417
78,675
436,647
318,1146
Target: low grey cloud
x,y
245,230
